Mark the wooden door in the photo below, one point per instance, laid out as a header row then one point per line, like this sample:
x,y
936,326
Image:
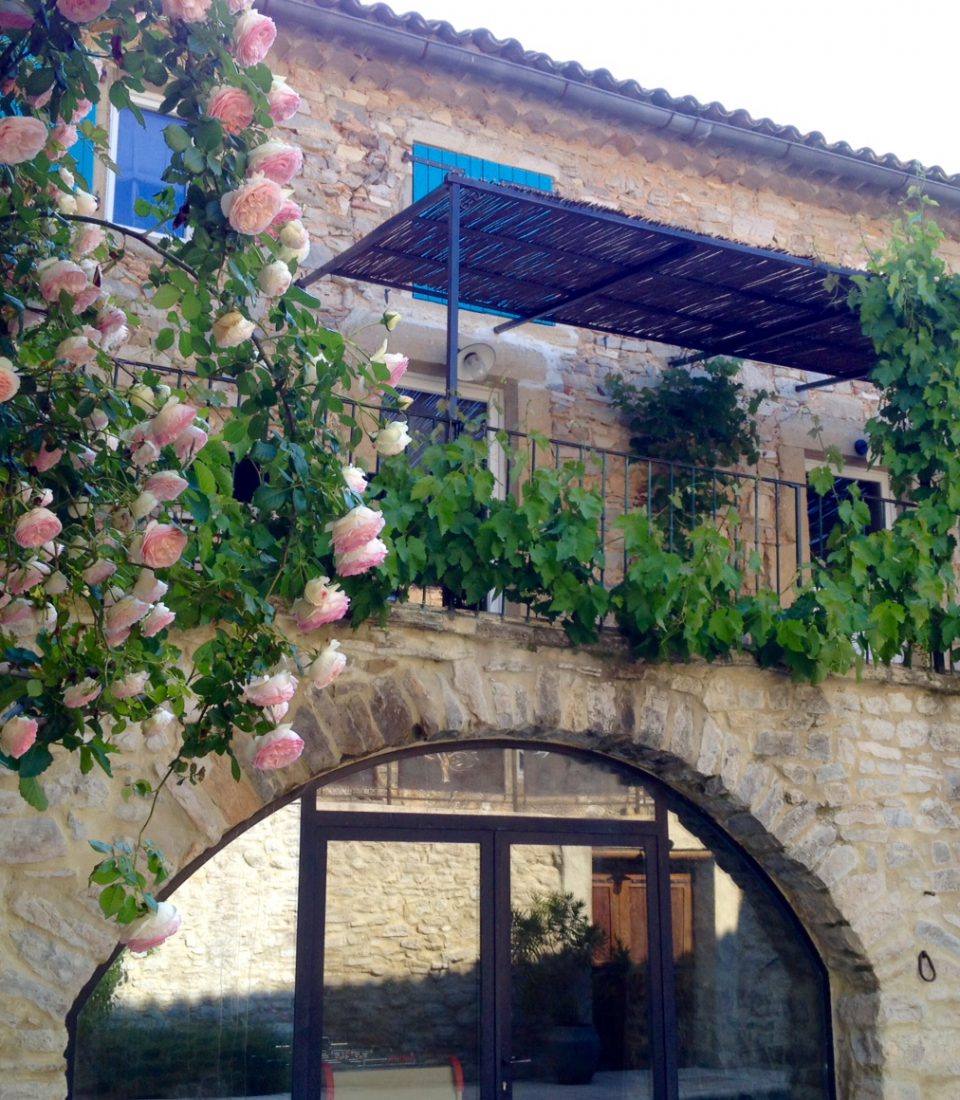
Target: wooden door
x,y
620,909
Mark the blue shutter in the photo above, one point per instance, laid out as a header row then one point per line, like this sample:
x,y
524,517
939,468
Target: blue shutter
x,y
142,157
83,151
428,176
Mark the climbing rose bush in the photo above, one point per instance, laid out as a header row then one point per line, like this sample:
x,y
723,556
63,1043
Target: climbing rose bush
x,y
116,485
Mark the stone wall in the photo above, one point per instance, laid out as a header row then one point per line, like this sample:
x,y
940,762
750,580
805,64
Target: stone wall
x,y
847,794
363,113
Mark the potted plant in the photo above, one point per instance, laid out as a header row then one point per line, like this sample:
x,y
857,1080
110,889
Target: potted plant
x,y
552,944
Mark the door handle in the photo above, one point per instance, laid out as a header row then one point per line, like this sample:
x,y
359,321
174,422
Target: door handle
x,y
517,1061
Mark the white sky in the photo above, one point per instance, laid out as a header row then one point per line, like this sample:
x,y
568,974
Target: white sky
x,y
879,73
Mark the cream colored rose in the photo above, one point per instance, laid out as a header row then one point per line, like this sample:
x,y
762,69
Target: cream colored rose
x,y
232,329
393,439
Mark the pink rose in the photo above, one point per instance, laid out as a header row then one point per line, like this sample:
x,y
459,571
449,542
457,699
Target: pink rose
x,y
358,526
253,205
166,485
110,320
327,665
354,562
277,749
80,694
232,107
132,684
37,527
124,613
170,421
78,350
237,6
26,577
146,454
86,298
60,276
62,137
270,691
82,11
40,101
253,36
277,713
152,929
323,603
45,459
288,212
396,365
21,138
190,11
354,478
80,112
15,16
161,545
190,443
17,735
116,638
144,505
88,238
148,588
276,160
99,571
20,616
284,101
9,379
161,616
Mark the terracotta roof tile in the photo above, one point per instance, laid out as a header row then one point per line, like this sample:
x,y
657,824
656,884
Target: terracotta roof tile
x,y
509,49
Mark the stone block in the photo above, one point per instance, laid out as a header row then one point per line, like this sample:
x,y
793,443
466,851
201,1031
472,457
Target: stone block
x,y
769,743
33,840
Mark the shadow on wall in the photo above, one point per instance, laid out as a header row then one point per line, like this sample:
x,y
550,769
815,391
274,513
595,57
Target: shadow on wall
x,y
187,1049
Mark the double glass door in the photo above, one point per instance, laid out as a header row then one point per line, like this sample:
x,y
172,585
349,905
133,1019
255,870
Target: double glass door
x,y
501,959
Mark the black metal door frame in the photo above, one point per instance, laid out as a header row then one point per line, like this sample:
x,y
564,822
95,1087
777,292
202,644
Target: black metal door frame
x,y
494,837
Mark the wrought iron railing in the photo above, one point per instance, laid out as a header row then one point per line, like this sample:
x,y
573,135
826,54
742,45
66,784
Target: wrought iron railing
x,y
776,526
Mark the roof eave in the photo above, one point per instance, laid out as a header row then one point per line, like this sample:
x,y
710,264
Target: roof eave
x,y
407,45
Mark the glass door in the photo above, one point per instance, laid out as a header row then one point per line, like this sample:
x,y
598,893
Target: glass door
x,y
580,1007
401,970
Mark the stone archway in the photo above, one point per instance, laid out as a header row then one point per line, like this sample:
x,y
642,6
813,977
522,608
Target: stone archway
x,y
774,764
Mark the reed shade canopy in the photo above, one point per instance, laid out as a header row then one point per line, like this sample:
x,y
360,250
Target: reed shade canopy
x,y
530,256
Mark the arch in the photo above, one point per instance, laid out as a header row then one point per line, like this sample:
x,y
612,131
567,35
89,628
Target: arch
x,y
729,738
566,743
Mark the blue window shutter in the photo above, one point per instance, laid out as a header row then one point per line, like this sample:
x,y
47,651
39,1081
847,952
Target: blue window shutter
x,y
142,157
83,151
428,176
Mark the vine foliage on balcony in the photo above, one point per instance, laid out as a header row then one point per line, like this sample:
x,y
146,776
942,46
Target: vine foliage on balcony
x,y
884,594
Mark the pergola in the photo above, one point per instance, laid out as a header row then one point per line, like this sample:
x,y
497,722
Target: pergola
x,y
530,256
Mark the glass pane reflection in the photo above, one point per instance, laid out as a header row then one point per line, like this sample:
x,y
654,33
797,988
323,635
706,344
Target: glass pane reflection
x,y
750,1011
536,782
580,985
211,1012
401,980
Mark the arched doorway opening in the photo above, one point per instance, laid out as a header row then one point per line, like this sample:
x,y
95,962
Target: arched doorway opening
x,y
499,919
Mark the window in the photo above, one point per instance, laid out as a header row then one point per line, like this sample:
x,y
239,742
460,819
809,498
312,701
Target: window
x,y
427,176
823,511
142,156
